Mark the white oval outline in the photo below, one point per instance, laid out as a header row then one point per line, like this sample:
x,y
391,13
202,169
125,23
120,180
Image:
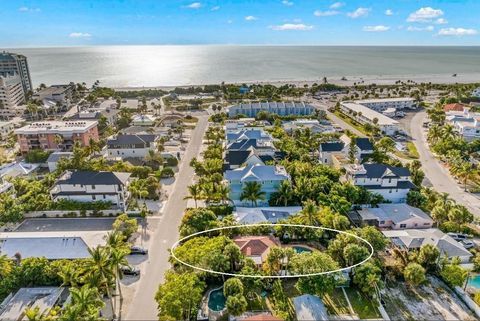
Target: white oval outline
x,y
176,244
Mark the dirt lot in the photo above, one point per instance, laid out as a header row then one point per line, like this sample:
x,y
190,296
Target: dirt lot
x,y
433,301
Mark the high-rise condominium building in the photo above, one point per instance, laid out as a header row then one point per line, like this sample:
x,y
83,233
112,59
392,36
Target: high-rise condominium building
x,y
11,64
11,96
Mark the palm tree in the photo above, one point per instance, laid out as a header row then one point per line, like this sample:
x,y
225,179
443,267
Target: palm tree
x,y
284,193
154,159
93,147
118,260
100,266
85,304
252,191
195,193
309,213
223,193
464,171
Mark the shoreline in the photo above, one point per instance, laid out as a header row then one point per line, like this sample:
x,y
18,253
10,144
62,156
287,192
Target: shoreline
x,y
337,80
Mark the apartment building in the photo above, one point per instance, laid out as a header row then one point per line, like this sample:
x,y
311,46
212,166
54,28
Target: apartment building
x,y
386,103
278,108
12,64
364,115
6,127
56,135
11,96
57,93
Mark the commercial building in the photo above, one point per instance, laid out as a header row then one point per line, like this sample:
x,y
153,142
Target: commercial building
x,y
11,96
386,103
14,64
131,146
393,183
414,239
365,115
395,217
278,108
269,177
56,135
90,186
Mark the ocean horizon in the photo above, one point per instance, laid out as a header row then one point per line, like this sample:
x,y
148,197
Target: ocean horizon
x,y
183,65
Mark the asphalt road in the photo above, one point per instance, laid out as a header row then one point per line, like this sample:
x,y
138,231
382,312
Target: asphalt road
x,y
143,306
437,174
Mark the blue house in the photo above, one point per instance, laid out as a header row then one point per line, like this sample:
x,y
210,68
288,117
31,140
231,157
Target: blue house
x,y
270,177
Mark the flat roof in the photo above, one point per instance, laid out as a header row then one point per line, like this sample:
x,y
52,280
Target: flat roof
x,y
383,100
56,126
370,114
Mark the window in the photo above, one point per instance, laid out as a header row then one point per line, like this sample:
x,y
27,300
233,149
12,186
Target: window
x,y
104,197
390,191
403,225
93,186
382,222
94,197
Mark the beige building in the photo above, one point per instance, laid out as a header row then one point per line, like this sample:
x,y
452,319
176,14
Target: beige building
x,y
11,96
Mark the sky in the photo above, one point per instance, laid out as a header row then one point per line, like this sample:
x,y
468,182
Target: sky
x,y
43,23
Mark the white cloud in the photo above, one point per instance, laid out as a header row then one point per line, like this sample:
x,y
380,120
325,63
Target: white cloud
x,y
292,26
251,18
216,8
337,5
28,9
287,3
425,14
441,21
79,35
360,12
413,28
457,32
389,12
379,28
230,21
327,13
194,5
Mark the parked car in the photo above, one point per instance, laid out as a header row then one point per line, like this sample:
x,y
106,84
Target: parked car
x,y
458,236
138,250
130,270
468,244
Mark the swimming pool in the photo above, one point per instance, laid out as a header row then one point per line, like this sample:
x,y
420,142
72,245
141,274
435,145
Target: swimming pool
x,y
474,281
301,249
216,300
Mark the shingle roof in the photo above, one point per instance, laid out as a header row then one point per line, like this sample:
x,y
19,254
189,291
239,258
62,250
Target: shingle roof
x,y
236,157
364,143
332,146
56,156
381,170
249,134
131,139
93,178
257,173
395,212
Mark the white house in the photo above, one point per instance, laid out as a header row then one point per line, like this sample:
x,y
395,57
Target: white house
x,y
332,151
131,146
395,216
414,239
234,125
393,183
312,124
466,123
365,115
89,186
143,120
257,134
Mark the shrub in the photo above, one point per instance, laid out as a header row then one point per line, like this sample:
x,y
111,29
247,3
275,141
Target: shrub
x,y
37,156
167,172
171,161
221,210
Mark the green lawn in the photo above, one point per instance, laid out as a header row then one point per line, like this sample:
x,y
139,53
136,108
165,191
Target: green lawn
x,y
336,303
363,306
412,150
257,304
351,122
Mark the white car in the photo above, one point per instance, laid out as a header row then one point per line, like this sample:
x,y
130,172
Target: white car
x,y
467,244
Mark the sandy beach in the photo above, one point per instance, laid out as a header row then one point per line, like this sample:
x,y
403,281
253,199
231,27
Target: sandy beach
x,y
350,81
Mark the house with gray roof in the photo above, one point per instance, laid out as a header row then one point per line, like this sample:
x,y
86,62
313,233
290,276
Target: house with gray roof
x,y
131,145
395,216
310,307
261,147
393,183
340,149
278,108
55,157
414,239
238,158
91,186
269,177
257,134
254,215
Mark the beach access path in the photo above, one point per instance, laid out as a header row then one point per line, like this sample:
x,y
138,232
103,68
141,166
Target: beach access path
x,y
437,174
143,306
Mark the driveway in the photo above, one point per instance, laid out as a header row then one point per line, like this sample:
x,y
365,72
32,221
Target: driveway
x,y
437,174
143,306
